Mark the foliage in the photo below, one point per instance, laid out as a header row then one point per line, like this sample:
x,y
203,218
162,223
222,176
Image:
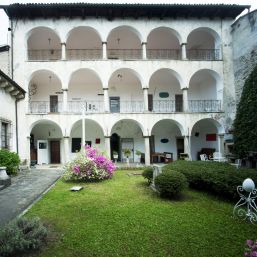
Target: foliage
x,y
138,152
170,183
220,179
251,250
148,174
245,132
127,152
10,160
124,217
89,165
21,235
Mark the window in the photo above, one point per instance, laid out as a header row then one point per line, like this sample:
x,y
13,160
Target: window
x,y
4,136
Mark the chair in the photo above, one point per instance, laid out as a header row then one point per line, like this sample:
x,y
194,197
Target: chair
x,y
217,157
203,157
237,164
168,157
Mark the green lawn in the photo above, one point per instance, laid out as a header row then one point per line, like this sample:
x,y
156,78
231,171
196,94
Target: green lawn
x,y
123,217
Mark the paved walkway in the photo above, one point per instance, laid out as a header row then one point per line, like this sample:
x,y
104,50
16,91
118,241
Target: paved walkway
x,y
24,190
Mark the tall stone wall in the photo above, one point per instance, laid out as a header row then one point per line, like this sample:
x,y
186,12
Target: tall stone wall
x,y
244,34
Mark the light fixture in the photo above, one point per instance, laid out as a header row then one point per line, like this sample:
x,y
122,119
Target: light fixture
x,y
119,76
50,78
49,41
118,40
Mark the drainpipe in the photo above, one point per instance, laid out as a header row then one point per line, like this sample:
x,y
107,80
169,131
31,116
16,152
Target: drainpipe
x,y
16,127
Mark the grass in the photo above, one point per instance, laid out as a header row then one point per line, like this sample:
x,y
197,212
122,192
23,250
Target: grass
x,y
123,217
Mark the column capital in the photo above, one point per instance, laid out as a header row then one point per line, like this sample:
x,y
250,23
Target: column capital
x,y
107,136
105,88
144,43
146,136
64,89
185,88
145,88
221,135
183,44
104,43
63,43
66,137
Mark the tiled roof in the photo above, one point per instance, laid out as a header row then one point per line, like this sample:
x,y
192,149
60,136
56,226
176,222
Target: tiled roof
x,y
112,11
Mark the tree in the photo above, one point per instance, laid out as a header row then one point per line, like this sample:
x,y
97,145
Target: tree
x,y
245,124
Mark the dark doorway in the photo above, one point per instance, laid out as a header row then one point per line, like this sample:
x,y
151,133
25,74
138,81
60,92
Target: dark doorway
x,y
150,103
179,103
115,104
115,145
180,146
53,103
55,151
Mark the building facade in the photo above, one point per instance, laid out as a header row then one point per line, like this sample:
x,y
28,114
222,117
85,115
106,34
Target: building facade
x,y
152,78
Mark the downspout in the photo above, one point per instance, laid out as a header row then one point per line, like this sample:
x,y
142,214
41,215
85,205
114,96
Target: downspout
x,y
16,122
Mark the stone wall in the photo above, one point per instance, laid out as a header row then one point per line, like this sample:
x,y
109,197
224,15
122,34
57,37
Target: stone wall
x,y
244,33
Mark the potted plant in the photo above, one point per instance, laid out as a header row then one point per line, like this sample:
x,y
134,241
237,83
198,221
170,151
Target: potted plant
x,y
127,153
138,153
115,155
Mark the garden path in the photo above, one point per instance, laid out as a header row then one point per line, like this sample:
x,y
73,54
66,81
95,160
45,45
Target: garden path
x,y
25,189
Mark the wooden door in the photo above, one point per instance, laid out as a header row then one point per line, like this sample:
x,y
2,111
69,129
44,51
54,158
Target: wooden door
x,y
180,146
150,103
179,103
53,103
55,151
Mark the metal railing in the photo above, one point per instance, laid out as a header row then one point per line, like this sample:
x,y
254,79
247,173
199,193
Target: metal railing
x,y
164,106
168,54
77,107
44,55
84,54
204,105
131,107
203,54
124,54
44,107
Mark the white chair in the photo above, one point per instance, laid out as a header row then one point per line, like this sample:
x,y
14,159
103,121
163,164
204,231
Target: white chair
x,y
203,157
237,164
217,157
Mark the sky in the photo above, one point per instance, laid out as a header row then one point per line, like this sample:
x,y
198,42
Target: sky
x,y
4,18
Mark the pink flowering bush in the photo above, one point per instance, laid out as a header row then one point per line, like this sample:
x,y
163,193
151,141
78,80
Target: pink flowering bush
x,y
251,251
89,165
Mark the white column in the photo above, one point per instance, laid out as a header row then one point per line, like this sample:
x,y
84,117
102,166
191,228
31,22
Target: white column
x,y
63,51
183,51
221,143
187,148
144,50
65,100
185,99
108,146
83,131
66,148
106,100
145,99
28,151
147,151
104,50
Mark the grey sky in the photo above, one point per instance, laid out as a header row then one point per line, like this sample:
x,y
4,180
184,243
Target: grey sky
x,y
4,18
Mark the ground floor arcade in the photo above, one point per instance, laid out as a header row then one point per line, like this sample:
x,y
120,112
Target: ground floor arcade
x,y
148,141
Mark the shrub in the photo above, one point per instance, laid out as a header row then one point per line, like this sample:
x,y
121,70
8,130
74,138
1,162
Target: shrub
x,y
220,179
170,183
245,132
89,165
10,160
148,174
21,235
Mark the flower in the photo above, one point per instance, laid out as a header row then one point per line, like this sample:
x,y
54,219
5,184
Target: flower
x,y
90,165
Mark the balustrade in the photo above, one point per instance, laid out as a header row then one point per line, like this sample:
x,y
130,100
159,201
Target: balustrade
x,y
84,54
168,54
204,105
44,55
203,54
124,54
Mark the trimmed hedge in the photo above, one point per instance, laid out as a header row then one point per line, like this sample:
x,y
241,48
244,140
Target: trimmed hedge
x,y
170,183
10,160
220,179
148,174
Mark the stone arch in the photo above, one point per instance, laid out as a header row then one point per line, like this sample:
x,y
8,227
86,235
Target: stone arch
x,y
43,43
205,137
